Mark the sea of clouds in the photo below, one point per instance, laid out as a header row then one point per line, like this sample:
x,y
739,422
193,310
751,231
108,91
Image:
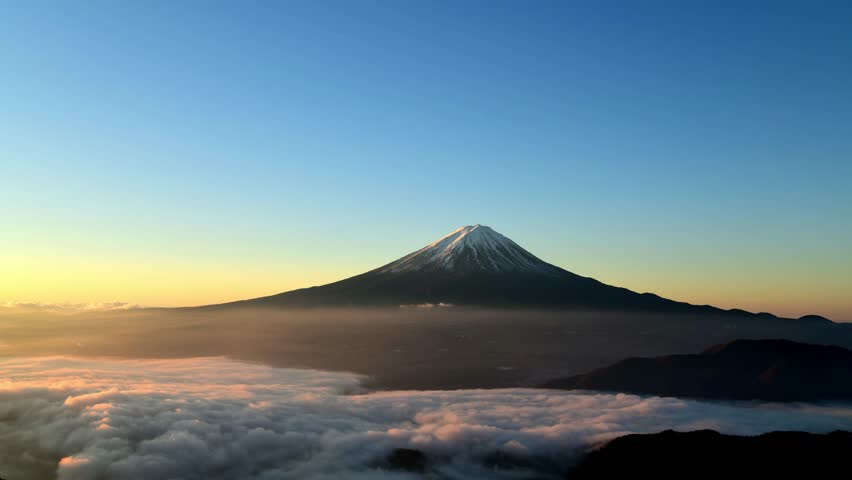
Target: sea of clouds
x,y
214,418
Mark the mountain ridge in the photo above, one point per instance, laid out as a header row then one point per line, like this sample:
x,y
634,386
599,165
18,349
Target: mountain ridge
x,y
743,369
710,454
476,266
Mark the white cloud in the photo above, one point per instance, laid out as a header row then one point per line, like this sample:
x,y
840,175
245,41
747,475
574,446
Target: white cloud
x,y
213,418
427,305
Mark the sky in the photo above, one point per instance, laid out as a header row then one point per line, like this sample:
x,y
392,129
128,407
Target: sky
x,y
184,153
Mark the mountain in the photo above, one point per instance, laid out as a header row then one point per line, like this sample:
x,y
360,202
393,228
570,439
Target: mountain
x,y
671,455
709,454
776,370
472,249
476,266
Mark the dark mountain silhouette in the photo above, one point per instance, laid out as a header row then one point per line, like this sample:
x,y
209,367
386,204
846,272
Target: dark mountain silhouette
x,y
406,460
709,454
674,455
778,370
476,266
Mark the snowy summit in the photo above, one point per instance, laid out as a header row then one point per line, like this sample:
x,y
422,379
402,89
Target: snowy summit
x,y
476,266
471,248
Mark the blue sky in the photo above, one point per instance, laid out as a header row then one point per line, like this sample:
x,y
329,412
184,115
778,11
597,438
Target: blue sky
x,y
697,149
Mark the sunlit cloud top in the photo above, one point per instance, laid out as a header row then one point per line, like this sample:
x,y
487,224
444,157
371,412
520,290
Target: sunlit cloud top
x,y
212,418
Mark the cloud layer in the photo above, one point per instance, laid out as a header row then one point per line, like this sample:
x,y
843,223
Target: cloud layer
x,y
212,418
68,307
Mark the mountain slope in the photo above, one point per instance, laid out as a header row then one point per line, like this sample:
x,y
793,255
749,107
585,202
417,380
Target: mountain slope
x,y
777,370
473,248
471,266
709,454
476,266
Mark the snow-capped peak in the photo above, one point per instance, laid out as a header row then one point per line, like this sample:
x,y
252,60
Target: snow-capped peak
x,y
471,248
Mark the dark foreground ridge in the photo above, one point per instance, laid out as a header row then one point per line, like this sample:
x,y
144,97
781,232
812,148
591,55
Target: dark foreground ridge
x,y
709,454
670,454
777,370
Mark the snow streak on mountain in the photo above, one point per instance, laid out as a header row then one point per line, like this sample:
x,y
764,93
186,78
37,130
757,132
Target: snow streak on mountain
x,y
472,248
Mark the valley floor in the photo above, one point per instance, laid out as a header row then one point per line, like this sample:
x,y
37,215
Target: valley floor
x,y
404,348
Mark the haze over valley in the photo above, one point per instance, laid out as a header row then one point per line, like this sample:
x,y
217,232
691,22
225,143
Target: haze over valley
x,y
470,310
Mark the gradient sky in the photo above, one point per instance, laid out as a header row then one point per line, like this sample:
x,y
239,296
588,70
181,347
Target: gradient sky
x,y
177,153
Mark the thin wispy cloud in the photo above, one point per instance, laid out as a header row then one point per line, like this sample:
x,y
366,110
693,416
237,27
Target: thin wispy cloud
x,y
213,418
68,307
